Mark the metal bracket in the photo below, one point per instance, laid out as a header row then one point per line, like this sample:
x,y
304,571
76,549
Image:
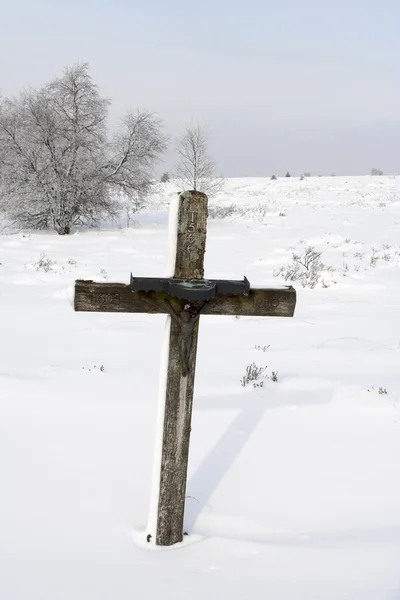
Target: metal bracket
x,y
191,289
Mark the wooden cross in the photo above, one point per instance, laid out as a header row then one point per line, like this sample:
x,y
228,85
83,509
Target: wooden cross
x,y
183,297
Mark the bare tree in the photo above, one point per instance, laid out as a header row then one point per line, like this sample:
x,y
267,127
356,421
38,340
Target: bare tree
x,y
133,153
195,169
57,166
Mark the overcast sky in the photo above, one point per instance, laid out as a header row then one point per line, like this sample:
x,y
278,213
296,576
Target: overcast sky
x,y
299,85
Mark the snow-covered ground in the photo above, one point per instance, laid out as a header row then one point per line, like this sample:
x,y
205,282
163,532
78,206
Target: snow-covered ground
x,y
293,487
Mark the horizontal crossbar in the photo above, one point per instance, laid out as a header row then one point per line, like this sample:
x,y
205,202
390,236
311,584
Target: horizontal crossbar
x,y
117,297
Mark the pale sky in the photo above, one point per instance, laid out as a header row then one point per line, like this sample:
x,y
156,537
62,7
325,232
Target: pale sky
x,y
298,85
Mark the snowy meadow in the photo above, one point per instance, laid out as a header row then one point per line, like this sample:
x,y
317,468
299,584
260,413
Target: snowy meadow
x,y
293,488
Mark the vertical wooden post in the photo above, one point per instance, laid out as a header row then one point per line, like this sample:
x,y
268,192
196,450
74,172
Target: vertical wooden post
x,y
189,264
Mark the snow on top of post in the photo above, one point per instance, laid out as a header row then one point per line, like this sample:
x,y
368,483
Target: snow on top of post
x,y
172,236
159,429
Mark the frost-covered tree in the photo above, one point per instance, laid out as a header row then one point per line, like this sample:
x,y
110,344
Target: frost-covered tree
x,y
194,168
58,167
165,177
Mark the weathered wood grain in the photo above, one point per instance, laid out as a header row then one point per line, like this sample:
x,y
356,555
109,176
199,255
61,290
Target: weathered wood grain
x,y
189,264
192,230
176,440
117,297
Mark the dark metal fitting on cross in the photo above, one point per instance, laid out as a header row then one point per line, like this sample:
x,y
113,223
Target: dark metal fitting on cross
x,y
191,289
